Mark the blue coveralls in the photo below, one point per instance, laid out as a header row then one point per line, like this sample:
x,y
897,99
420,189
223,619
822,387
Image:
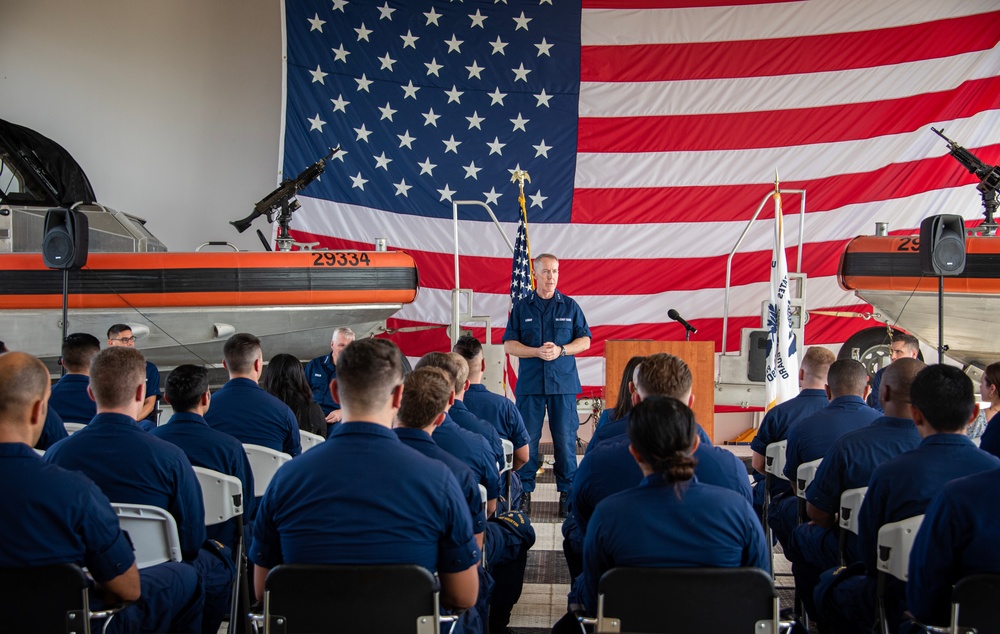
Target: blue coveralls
x,y
499,411
242,409
958,538
152,389
990,440
809,440
469,421
54,516
651,526
551,385
847,465
774,428
212,449
899,488
320,372
52,431
132,466
70,399
473,450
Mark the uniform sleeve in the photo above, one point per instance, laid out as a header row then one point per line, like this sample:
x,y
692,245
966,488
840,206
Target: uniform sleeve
x,y
580,327
188,509
293,441
153,381
755,552
457,548
520,436
512,332
595,563
580,503
765,433
265,548
738,475
933,564
52,431
792,455
108,551
826,488
870,519
492,474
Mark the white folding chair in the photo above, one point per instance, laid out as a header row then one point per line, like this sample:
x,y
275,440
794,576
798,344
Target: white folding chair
x,y
895,541
850,506
774,459
153,533
72,428
223,496
508,468
310,440
40,452
264,462
482,493
804,476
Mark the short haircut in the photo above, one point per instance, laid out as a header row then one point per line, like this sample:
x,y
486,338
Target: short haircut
x,y
343,331
816,362
367,372
185,386
118,329
469,347
240,352
899,375
425,395
23,380
663,374
115,373
944,396
463,370
847,377
911,342
662,430
447,363
544,256
78,349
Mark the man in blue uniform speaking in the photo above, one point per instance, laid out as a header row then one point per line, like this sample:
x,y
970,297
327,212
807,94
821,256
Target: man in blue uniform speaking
x,y
546,329
323,369
363,497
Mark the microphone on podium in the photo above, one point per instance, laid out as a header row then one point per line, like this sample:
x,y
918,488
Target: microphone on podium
x,y
673,314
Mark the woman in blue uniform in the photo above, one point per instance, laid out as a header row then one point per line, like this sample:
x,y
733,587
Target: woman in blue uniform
x,y
670,519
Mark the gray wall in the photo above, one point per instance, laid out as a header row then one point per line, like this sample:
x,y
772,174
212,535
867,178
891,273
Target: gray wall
x,y
173,108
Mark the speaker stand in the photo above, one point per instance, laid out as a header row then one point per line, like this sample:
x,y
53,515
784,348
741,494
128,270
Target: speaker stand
x,y
65,314
941,348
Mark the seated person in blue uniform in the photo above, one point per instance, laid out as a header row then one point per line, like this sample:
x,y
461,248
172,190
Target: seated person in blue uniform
x,y
242,409
188,395
624,405
815,545
69,395
812,437
469,447
779,419
466,419
499,411
323,369
121,335
989,387
134,467
610,467
285,379
671,519
902,346
65,511
942,404
375,500
426,393
53,431
958,538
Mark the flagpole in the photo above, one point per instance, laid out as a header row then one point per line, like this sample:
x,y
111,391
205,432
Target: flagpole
x,y
520,176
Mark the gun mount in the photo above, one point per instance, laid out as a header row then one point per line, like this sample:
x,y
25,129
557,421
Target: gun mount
x,y
282,202
989,180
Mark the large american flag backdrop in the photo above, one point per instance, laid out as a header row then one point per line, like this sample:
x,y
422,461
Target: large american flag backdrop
x,y
651,130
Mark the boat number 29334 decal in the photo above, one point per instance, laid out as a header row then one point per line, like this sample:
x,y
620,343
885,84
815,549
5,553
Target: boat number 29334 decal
x,y
341,259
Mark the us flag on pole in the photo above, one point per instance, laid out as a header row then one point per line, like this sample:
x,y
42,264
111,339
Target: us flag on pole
x,y
651,130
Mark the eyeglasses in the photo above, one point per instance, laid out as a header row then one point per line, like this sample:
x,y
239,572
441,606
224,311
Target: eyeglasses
x,y
125,339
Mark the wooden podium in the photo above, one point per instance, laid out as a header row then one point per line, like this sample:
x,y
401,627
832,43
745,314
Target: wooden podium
x,y
699,355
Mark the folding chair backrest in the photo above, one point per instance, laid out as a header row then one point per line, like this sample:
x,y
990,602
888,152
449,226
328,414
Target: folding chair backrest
x,y
482,494
40,452
508,455
265,463
895,540
975,603
44,599
674,600
342,598
153,532
310,440
850,505
805,475
72,428
222,494
774,459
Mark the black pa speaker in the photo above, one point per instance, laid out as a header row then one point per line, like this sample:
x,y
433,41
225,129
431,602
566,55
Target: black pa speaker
x,y
942,245
67,237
